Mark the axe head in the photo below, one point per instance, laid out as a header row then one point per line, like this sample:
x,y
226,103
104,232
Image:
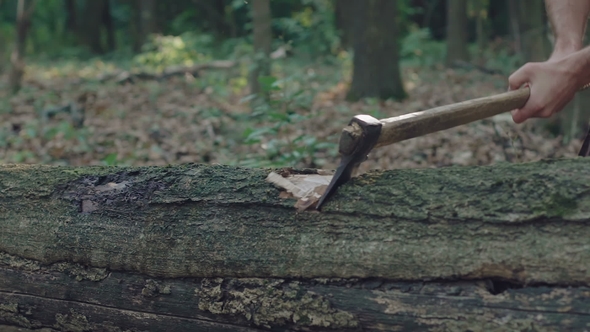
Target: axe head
x,y
356,141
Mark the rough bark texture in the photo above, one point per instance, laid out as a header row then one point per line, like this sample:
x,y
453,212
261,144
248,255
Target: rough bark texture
x,y
457,31
376,70
214,248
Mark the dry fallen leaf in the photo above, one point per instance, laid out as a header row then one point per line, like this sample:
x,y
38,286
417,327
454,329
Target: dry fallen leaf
x,y
173,121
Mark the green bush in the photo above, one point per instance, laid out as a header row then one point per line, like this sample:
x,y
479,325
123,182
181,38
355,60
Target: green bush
x,y
163,51
418,48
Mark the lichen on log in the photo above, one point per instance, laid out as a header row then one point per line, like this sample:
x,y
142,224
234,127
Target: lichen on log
x,y
525,223
217,247
49,298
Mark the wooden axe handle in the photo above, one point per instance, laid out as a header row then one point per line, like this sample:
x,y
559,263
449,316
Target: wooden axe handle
x,y
416,124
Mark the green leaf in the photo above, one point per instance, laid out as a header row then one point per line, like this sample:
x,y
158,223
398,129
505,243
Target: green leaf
x,y
256,135
110,160
268,83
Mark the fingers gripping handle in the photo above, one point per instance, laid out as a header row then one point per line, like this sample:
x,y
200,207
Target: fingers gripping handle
x,y
416,124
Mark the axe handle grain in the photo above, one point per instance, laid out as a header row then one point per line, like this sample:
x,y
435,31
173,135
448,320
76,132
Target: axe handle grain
x,y
416,124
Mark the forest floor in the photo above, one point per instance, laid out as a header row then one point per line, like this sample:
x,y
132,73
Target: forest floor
x,y
207,119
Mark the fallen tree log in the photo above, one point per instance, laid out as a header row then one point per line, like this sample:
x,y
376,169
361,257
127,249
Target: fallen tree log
x,y
214,248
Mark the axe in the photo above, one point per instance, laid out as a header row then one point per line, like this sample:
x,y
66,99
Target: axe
x,y
365,133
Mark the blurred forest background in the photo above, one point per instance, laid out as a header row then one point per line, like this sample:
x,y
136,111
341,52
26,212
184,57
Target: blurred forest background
x,y
265,83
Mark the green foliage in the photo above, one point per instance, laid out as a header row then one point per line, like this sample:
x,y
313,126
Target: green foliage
x,y
163,51
500,59
418,48
110,160
275,130
311,30
406,11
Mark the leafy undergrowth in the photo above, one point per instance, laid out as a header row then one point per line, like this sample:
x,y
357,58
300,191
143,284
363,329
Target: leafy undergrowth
x,y
207,119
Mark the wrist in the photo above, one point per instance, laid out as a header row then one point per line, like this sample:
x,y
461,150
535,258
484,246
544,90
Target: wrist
x,y
565,48
577,64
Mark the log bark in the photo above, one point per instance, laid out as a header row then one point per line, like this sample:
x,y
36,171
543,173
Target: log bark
x,y
214,248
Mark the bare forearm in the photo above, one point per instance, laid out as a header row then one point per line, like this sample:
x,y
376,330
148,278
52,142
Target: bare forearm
x,y
568,19
578,65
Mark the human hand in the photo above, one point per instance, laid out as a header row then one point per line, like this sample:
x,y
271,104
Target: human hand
x,y
552,84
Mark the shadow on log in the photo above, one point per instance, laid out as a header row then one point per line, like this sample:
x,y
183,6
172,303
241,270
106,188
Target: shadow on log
x,y
214,248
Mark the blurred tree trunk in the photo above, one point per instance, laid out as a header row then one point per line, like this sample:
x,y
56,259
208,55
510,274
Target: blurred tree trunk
x,y
531,19
480,11
457,31
574,119
344,20
231,22
72,17
376,71
107,22
499,18
261,20
23,23
215,12
148,23
513,13
91,34
429,12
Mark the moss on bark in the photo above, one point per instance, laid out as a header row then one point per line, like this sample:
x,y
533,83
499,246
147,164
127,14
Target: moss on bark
x,y
526,223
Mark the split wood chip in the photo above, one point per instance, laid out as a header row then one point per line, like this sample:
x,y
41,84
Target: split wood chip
x,y
307,188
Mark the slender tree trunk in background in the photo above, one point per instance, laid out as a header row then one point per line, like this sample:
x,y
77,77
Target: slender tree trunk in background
x,y
3,51
72,17
148,23
376,71
573,120
107,22
135,26
215,12
231,22
513,13
531,19
457,31
429,12
262,34
344,20
499,19
93,18
480,8
23,23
